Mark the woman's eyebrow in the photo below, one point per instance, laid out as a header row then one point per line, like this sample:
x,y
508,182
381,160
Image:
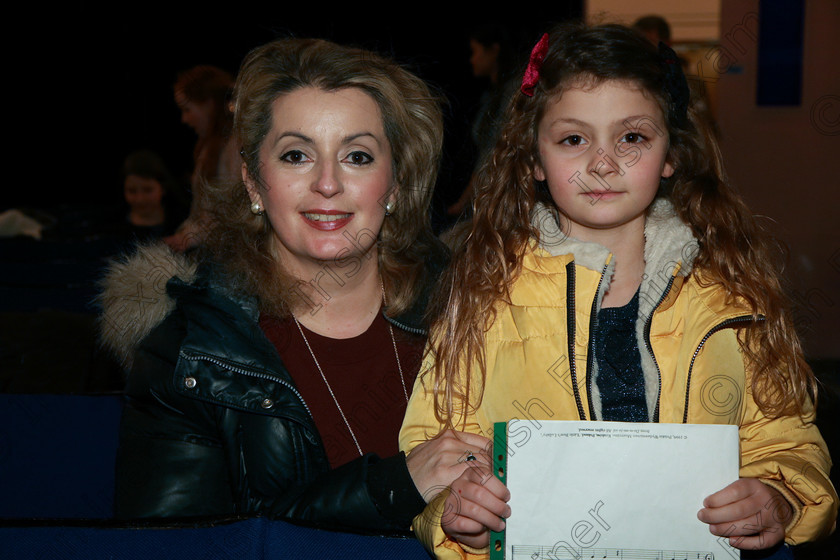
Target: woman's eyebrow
x,y
293,134
346,140
351,137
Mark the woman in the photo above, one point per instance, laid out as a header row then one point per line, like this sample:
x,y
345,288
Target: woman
x,y
491,59
202,94
280,372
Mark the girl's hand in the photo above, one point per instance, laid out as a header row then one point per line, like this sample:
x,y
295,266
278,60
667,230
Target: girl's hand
x,y
435,464
476,504
752,514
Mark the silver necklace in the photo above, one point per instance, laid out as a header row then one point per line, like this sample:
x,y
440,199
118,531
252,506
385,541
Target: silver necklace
x,y
327,383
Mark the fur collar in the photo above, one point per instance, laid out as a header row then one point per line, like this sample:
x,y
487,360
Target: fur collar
x,y
670,249
133,296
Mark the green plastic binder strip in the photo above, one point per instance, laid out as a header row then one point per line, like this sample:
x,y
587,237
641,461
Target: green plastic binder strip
x,y
497,540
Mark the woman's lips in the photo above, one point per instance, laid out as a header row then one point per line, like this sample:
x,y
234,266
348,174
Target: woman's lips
x,y
326,220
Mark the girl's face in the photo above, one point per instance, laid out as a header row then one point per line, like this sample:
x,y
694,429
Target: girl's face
x,y
326,175
143,195
602,151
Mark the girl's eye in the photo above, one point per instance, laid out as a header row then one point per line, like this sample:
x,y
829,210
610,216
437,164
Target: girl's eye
x,y
295,157
573,140
359,158
633,138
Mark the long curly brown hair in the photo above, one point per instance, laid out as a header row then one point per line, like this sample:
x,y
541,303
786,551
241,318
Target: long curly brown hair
x,y
241,241
735,250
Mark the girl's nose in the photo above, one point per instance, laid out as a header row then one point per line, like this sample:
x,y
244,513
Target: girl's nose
x,y
603,165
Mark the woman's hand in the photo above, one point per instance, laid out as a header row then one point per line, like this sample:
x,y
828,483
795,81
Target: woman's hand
x,y
476,504
752,514
435,464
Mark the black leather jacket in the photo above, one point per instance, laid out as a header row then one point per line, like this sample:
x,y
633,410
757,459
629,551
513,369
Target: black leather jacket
x,y
213,425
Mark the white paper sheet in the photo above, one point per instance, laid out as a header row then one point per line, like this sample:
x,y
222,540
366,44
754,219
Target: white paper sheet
x,y
616,490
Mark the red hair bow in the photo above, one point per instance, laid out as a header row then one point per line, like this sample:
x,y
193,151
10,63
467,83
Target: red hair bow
x,y
532,72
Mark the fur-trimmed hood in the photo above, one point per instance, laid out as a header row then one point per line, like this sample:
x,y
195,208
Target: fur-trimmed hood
x,y
670,250
668,241
134,299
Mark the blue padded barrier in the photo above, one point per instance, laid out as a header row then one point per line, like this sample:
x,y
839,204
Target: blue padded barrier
x,y
57,455
56,491
250,539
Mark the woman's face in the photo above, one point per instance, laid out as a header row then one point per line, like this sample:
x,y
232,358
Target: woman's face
x,y
483,59
195,114
326,174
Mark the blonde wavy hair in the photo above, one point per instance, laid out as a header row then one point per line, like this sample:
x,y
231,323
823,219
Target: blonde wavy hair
x,y
413,123
735,250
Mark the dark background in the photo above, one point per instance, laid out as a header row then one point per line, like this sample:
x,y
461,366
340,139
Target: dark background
x,y
95,81
87,83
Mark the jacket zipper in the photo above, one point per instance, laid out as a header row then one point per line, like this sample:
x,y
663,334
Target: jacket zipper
x,y
251,373
649,346
590,354
713,330
570,334
248,372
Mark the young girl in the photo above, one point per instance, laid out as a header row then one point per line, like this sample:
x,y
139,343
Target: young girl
x,y
611,273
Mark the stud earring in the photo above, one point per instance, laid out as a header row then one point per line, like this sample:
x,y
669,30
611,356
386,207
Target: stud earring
x,y
256,209
389,207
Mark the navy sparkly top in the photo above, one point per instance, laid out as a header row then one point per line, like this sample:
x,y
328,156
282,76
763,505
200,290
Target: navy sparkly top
x,y
620,379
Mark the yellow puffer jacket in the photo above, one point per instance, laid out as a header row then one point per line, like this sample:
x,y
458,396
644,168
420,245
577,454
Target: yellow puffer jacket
x,y
539,367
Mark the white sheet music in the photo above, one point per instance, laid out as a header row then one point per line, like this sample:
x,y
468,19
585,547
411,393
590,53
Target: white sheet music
x,y
525,552
616,490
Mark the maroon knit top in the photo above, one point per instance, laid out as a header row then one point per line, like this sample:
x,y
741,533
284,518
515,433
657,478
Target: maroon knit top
x,y
363,374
